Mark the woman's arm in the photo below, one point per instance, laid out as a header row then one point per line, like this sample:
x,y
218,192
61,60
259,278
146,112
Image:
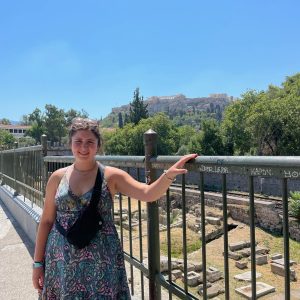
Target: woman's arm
x,y
120,181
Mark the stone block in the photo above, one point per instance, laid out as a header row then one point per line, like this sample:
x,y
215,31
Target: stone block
x,y
213,274
275,256
198,267
243,264
190,267
239,245
192,278
213,220
262,250
261,259
164,266
262,289
280,261
246,252
177,273
279,270
212,291
235,256
246,276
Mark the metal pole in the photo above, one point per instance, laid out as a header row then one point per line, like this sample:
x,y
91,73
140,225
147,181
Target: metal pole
x,y
1,165
285,211
44,165
150,144
15,169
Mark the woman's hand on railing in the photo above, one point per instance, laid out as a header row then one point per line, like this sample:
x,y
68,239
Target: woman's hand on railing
x,y
177,168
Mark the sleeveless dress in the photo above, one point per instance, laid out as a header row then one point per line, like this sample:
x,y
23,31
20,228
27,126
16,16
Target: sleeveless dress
x,y
94,272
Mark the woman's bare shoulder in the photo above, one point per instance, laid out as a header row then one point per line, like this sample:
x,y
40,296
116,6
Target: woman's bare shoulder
x,y
57,175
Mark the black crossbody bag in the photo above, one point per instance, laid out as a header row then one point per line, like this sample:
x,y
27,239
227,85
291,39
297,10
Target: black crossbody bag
x,y
89,221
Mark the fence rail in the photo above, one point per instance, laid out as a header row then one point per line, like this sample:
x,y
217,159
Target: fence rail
x,y
27,170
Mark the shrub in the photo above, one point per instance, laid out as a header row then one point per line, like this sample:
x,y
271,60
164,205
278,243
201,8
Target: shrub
x,y
294,204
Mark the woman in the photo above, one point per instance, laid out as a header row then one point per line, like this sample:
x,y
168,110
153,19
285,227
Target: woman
x,y
60,270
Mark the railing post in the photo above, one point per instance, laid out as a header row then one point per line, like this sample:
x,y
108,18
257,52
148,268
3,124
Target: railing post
x,y
150,144
44,164
15,168
1,164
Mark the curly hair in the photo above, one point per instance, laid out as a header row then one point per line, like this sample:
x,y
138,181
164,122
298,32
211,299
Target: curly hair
x,y
85,124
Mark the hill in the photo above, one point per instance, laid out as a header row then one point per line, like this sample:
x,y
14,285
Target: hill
x,y
181,109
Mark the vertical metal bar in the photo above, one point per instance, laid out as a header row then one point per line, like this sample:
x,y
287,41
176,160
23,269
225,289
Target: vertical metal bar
x,y
1,164
150,143
169,240
285,211
141,239
202,201
121,220
44,166
184,244
130,240
225,228
252,237
15,169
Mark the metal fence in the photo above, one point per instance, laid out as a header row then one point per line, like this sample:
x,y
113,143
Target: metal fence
x,y
141,239
22,169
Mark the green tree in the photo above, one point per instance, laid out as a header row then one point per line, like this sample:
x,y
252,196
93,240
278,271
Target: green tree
x,y
234,127
6,139
120,119
5,121
72,114
36,120
138,109
274,120
209,141
55,123
129,139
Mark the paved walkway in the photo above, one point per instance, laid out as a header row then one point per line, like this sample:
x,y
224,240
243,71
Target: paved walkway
x,y
16,252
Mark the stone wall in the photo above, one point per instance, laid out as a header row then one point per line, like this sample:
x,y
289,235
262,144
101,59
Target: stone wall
x,y
236,182
267,216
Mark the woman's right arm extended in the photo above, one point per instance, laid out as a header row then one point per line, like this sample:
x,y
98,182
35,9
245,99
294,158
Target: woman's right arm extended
x,y
45,225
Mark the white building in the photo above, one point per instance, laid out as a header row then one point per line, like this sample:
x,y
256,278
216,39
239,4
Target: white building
x,y
16,130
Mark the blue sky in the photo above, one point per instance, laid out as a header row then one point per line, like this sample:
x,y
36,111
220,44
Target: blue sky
x,y
91,55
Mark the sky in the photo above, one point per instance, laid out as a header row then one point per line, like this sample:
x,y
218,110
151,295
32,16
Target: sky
x,y
91,55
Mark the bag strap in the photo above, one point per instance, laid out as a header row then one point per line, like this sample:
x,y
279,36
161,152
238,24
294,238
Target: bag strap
x,y
96,195
97,189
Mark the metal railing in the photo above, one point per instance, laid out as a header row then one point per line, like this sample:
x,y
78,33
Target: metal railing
x,y
22,169
146,169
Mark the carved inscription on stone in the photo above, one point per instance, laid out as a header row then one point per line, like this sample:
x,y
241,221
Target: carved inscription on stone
x,y
214,169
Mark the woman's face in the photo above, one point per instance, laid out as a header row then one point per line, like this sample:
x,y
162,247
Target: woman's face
x,y
84,145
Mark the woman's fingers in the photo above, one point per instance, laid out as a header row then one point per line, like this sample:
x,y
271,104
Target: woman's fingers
x,y
177,168
185,159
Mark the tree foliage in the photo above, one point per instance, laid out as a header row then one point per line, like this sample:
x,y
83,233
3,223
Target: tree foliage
x,y
72,114
266,122
138,109
129,139
6,139
5,121
55,123
52,121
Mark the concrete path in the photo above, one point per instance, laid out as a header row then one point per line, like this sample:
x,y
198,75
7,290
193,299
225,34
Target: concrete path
x,y
16,252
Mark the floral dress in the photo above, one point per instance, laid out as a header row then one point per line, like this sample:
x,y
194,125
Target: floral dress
x,y
94,272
